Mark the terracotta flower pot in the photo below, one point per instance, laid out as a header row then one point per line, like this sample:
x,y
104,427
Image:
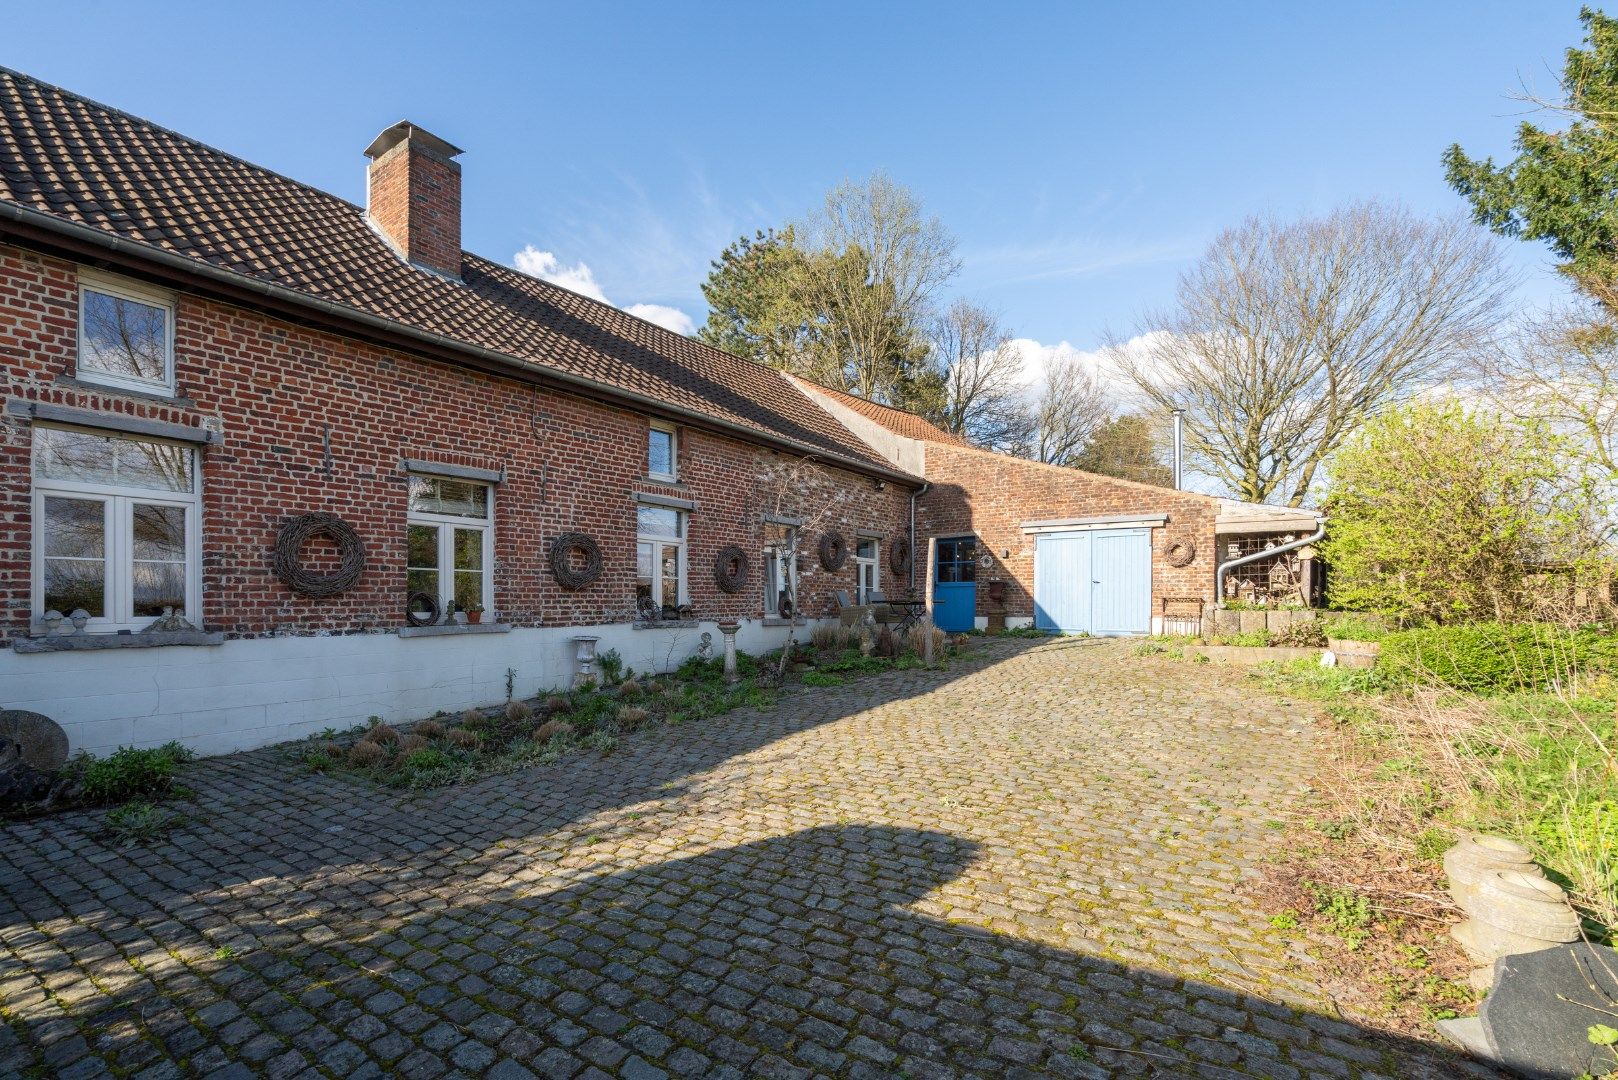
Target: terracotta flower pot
x,y
474,617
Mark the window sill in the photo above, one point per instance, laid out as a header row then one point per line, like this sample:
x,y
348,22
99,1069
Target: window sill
x,y
666,624
87,642
452,629
775,620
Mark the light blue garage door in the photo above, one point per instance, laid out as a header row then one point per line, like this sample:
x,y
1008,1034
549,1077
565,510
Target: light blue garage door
x,y
1094,581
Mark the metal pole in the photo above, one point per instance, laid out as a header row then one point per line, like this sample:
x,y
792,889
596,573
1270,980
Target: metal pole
x,y
1179,449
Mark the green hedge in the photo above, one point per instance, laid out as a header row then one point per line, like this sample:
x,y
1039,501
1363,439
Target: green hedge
x,y
1494,658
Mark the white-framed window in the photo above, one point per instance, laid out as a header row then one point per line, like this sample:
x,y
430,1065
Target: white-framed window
x,y
662,452
126,334
117,528
659,561
867,569
780,573
449,530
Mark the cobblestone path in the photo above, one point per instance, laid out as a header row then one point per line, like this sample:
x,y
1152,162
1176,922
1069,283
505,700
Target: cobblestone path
x,y
1025,865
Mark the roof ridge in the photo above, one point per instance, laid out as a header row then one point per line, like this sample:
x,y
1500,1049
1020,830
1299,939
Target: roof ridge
x,y
190,140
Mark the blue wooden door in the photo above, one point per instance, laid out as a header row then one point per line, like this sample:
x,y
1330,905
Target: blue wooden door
x,y
1121,582
1062,583
955,584
1093,582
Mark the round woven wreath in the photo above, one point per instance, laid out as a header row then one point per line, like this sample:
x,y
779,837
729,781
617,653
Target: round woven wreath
x,y
899,555
421,609
730,569
563,548
833,551
299,531
1181,553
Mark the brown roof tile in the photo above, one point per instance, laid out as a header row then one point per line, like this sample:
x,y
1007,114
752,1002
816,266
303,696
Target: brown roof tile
x,y
85,163
898,421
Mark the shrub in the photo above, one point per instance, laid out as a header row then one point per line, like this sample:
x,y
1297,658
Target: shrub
x,y
916,639
474,719
630,688
1441,515
427,758
612,666
1355,626
128,773
1493,658
139,822
886,643
409,744
382,734
429,729
554,704
519,712
550,729
631,717
462,739
1301,635
366,753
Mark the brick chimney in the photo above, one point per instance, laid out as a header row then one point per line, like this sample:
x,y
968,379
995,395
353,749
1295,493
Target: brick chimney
x,y
414,196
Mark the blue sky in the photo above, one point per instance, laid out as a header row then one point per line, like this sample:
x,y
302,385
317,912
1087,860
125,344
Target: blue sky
x,y
1082,153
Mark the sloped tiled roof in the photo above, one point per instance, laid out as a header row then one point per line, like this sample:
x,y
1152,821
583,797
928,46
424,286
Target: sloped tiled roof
x,y
898,421
85,163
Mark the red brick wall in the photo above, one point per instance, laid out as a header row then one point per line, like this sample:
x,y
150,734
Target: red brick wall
x,y
991,495
274,390
415,198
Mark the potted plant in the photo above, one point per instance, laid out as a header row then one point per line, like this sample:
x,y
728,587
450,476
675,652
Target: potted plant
x,y
474,614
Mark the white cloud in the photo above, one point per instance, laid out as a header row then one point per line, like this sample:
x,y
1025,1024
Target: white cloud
x,y
581,279
544,264
669,318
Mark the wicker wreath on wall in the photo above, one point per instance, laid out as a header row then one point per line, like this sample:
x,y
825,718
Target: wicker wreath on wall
x,y
1181,553
730,568
564,548
833,551
288,560
899,555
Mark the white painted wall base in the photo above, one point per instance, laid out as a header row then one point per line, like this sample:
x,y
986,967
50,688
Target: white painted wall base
x,y
1019,622
250,693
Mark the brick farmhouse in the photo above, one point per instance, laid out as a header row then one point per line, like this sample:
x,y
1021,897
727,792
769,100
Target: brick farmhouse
x,y
272,462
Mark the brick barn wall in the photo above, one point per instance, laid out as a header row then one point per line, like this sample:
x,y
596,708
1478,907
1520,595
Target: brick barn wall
x,y
991,495
278,392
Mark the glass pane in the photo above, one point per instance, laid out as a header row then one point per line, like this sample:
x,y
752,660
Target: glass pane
x,y
124,337
866,550
159,532
469,549
671,576
660,453
159,466
967,571
422,581
645,570
468,588
159,585
441,495
658,521
75,528
946,571
71,584
74,455
422,541
966,550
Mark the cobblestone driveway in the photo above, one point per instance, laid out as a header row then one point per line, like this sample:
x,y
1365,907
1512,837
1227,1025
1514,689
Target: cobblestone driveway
x,y
1025,865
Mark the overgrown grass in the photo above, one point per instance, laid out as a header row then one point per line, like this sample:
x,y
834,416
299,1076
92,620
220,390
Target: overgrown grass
x,y
129,773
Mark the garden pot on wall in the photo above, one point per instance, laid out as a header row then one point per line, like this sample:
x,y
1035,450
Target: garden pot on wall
x,y
1354,654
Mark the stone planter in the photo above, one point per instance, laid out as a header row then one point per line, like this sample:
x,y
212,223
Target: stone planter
x,y
1354,654
1475,857
1515,913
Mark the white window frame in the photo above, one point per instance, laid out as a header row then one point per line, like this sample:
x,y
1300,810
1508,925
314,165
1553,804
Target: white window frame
x,y
137,292
861,564
778,554
673,475
447,524
119,538
658,542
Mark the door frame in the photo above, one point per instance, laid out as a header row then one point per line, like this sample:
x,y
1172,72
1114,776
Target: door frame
x,y
938,547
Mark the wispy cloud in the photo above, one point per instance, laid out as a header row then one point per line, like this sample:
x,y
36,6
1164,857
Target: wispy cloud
x,y
581,279
1080,257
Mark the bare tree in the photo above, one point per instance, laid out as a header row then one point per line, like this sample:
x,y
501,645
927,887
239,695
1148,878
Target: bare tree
x,y
1287,335
878,262
1067,408
982,375
1562,369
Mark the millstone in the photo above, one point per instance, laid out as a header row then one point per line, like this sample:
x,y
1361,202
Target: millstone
x,y
1542,1007
42,740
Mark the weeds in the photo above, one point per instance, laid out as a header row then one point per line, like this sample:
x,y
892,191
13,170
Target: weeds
x,y
128,773
139,822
